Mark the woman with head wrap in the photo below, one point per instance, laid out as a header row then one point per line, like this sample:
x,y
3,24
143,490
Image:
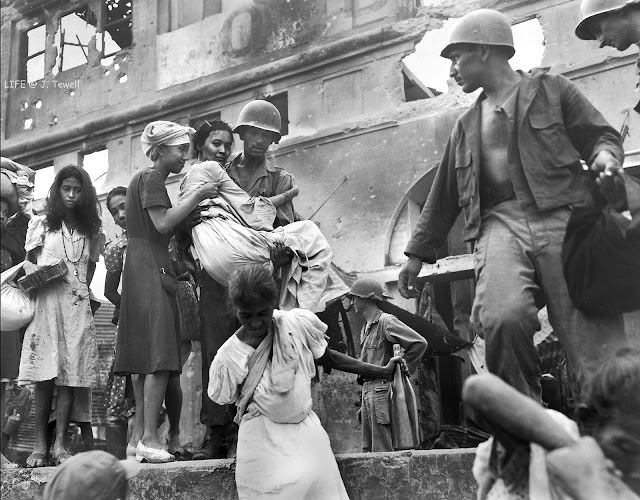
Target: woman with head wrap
x,y
148,340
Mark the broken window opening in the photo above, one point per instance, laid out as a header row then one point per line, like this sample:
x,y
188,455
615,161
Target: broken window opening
x,y
117,31
75,30
528,39
176,14
414,89
281,102
34,61
44,178
72,38
430,71
96,164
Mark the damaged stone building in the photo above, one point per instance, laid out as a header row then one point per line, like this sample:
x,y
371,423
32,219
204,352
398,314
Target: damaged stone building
x,y
362,131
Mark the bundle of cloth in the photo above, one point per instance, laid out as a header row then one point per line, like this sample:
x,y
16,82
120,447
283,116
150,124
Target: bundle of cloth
x,y
16,185
238,230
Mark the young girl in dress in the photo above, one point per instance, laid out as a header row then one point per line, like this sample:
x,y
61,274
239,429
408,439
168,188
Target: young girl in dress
x,y
59,348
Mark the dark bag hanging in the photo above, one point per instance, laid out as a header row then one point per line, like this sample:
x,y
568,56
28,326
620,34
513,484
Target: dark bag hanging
x,y
601,260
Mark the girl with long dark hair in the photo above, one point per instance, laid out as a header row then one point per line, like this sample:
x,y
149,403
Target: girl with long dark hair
x,y
60,349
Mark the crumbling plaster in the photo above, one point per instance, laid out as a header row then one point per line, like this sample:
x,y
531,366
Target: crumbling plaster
x,y
346,109
83,91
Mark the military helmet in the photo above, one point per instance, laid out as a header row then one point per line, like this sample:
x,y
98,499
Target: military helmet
x,y
368,288
481,27
260,114
590,9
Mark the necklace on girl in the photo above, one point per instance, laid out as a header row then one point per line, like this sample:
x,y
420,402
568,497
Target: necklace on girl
x,y
74,250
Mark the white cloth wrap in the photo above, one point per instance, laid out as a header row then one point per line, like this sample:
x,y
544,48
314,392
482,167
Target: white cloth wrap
x,y
240,233
283,451
163,132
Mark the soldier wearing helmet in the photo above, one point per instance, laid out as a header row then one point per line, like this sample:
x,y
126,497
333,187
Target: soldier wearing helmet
x,y
379,333
614,23
512,166
259,127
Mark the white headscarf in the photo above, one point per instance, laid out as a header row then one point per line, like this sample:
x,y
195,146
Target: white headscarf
x,y
163,132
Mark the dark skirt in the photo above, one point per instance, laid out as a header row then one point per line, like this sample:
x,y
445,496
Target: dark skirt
x,y
148,339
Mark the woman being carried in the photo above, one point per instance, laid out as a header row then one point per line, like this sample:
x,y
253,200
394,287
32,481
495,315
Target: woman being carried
x,y
237,230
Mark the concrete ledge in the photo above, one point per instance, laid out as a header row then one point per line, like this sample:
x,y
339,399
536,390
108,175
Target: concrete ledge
x,y
436,474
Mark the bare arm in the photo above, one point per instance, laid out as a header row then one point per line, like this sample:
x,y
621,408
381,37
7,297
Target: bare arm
x,y
282,198
346,363
91,269
165,219
513,412
111,282
30,266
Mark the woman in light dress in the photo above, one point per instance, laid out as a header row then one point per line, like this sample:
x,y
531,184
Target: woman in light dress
x,y
266,368
60,349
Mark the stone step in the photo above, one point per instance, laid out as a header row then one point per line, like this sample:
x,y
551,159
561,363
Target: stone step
x,y
402,475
